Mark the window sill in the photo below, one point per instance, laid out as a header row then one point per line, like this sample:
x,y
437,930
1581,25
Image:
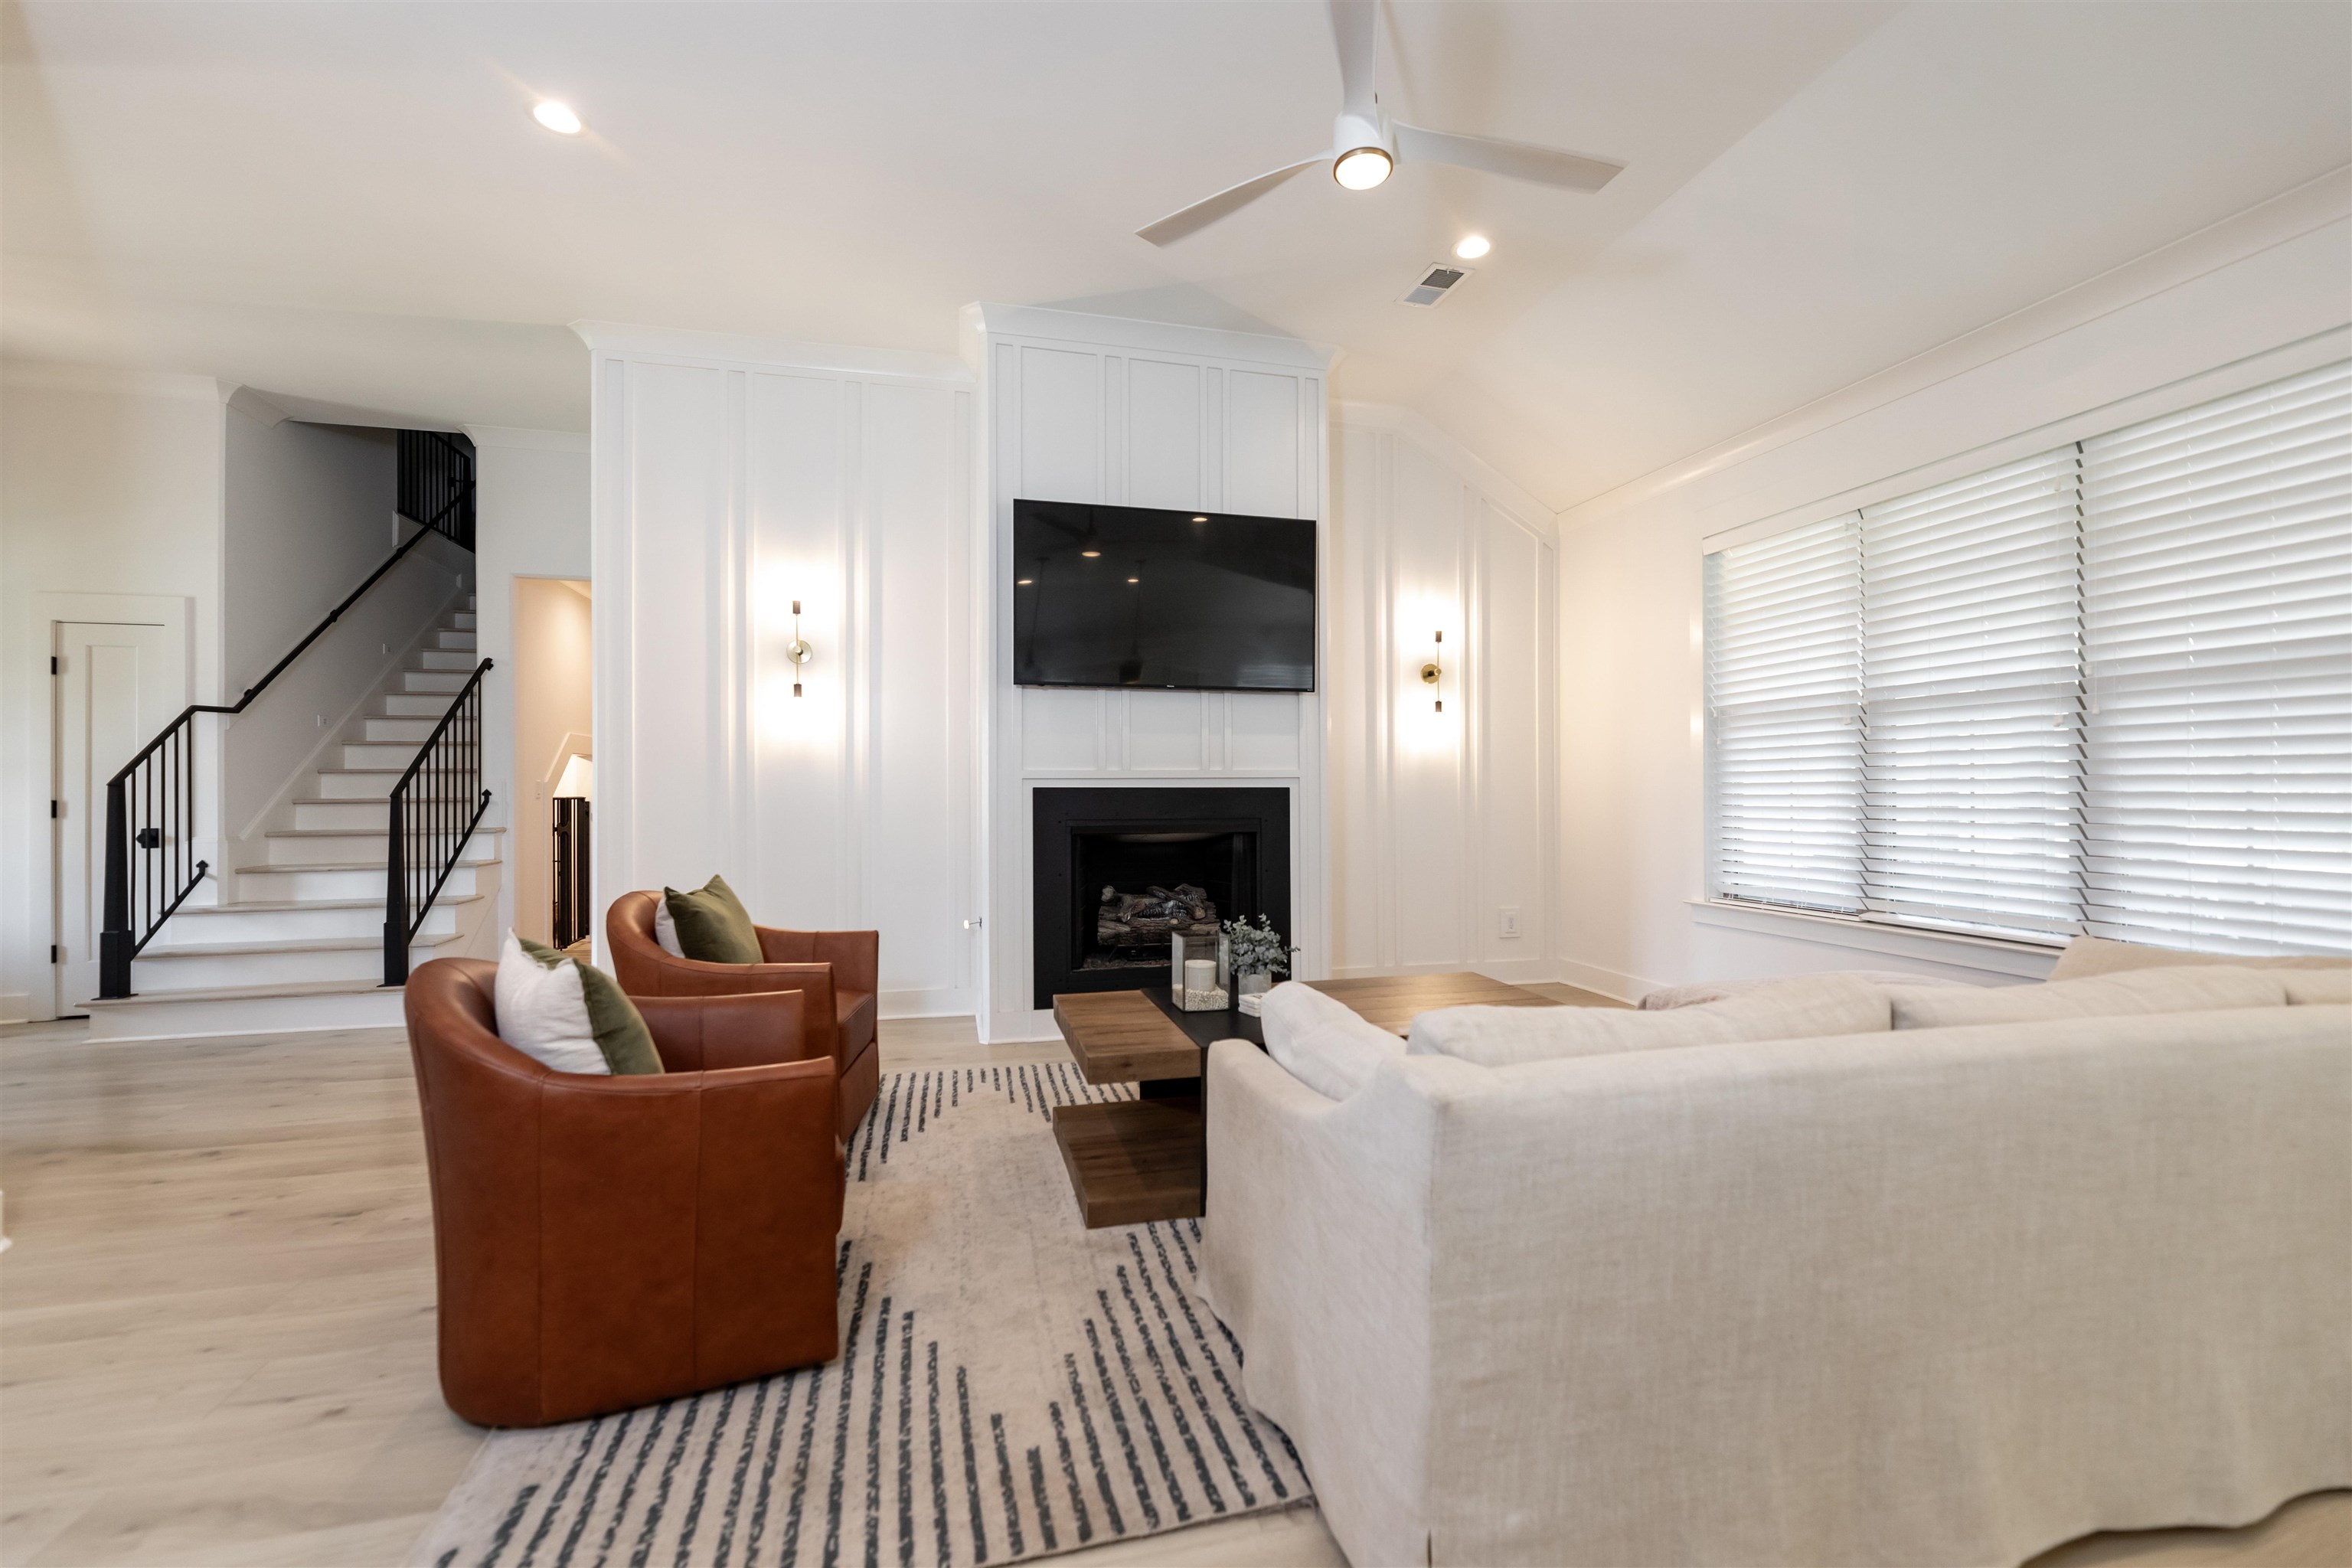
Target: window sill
x,y
1993,956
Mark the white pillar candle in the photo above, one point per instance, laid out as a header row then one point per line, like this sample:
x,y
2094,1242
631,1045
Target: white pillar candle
x,y
1200,975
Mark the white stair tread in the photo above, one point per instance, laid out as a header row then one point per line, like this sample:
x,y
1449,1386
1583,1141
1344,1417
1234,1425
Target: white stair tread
x,y
245,993
319,944
375,866
280,906
349,832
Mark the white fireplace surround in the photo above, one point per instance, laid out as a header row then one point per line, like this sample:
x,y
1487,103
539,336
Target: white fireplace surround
x,y
1077,407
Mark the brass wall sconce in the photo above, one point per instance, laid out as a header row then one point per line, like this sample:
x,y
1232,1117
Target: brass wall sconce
x,y
798,649
1432,672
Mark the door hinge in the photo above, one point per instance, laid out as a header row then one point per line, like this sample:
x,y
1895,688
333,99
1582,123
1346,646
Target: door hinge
x,y
53,664
53,811
53,953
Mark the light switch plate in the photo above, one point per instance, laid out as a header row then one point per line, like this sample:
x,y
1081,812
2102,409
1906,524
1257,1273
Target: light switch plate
x,y
1507,919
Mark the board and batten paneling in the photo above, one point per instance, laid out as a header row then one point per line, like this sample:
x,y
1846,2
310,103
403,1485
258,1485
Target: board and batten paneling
x,y
1441,822
1092,409
731,477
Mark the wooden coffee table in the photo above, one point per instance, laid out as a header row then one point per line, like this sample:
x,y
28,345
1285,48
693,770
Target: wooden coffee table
x,y
1144,1159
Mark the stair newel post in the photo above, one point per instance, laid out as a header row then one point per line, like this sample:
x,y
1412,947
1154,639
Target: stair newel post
x,y
114,944
395,893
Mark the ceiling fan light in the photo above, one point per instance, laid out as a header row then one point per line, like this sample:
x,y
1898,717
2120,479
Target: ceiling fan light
x,y
1361,168
558,118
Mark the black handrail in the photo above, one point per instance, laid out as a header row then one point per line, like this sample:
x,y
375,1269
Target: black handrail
x,y
427,832
157,786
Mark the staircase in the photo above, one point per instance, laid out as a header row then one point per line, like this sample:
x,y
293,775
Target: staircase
x,y
296,941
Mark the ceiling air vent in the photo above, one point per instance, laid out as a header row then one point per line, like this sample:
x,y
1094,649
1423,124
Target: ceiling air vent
x,y
1434,285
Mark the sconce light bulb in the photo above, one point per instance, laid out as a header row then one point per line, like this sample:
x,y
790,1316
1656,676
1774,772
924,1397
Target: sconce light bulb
x,y
796,688
796,606
1440,705
1091,554
1440,636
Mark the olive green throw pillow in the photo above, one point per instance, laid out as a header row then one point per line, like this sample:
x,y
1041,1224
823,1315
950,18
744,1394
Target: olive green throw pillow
x,y
713,926
613,1021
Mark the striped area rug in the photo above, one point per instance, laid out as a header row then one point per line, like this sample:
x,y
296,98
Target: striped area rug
x,y
1011,1385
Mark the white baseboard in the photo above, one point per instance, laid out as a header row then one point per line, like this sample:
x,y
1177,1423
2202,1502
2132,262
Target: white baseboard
x,y
1012,1025
1607,981
17,1008
934,1001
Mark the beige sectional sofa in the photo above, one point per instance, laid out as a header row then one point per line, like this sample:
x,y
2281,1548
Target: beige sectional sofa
x,y
1944,1294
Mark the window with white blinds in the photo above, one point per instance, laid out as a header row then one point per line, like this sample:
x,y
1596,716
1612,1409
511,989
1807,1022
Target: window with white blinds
x,y
2107,689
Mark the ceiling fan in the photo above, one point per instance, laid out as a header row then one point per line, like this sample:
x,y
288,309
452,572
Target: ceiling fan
x,y
1366,145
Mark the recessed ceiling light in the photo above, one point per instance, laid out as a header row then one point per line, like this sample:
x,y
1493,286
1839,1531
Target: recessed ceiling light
x,y
1473,246
1090,554
557,118
1361,168
1135,579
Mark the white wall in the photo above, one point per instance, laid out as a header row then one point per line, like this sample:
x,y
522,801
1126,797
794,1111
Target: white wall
x,y
552,683
732,476
109,486
1441,820
530,521
308,513
2230,306
1096,408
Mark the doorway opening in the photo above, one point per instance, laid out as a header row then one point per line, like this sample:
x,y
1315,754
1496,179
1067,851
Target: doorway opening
x,y
553,767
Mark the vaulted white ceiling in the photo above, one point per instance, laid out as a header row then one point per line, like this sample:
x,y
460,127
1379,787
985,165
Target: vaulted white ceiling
x,y
350,203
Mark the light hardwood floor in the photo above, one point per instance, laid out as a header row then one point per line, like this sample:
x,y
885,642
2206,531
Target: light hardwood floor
x,y
216,1321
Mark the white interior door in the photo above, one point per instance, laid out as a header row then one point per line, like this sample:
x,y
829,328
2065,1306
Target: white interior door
x,y
116,685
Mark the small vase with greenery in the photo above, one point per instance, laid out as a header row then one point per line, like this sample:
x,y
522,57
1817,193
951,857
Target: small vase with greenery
x,y
1257,954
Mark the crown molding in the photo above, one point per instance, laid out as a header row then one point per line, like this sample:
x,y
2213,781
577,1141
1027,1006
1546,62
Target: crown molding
x,y
1392,419
624,340
1040,323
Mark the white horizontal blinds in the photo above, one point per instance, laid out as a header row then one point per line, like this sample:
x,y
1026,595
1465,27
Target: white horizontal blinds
x,y
1971,701
1783,734
2218,620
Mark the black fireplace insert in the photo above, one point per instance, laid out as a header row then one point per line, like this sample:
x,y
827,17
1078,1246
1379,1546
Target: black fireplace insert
x,y
1116,873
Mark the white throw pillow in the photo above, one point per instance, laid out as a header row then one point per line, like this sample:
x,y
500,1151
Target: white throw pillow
x,y
665,928
2088,955
2199,989
543,1014
1690,996
1326,1045
1814,1004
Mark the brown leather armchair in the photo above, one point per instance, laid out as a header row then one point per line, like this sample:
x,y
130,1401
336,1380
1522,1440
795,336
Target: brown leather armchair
x,y
607,1242
837,968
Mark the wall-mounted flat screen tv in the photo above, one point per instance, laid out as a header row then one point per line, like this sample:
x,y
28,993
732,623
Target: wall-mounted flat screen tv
x,y
1186,600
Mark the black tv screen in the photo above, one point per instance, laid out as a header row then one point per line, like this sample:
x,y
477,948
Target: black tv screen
x,y
1192,600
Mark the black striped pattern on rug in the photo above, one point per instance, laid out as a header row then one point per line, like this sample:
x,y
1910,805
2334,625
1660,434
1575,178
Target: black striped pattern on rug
x,y
932,1439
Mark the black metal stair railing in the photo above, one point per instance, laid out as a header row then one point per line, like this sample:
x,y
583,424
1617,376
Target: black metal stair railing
x,y
151,803
434,808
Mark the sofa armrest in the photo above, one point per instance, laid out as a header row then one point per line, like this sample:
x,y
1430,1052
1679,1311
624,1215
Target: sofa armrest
x,y
699,1033
1316,1250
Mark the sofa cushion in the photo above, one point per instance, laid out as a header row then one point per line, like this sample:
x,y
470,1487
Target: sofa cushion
x,y
1691,996
568,1015
2087,955
2200,989
1324,1043
1786,1009
2317,987
713,926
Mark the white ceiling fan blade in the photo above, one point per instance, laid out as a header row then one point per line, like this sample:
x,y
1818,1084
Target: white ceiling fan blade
x,y
1200,215
1516,160
1352,22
